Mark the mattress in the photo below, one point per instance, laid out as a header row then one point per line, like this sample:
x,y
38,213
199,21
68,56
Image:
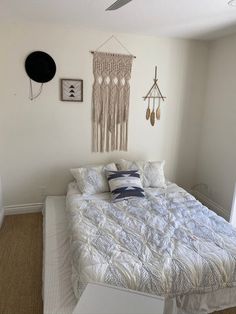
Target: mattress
x,y
57,292
167,244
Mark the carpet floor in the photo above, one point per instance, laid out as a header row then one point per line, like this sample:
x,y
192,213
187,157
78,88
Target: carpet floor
x,y
21,265
21,239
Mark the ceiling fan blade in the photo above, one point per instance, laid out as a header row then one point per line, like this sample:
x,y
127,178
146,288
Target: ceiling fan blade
x,y
118,4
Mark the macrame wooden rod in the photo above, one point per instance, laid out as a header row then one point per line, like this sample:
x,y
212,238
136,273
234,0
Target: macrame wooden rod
x,y
92,52
147,97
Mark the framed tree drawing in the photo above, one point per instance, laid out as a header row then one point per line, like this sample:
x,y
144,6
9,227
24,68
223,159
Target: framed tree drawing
x,y
71,90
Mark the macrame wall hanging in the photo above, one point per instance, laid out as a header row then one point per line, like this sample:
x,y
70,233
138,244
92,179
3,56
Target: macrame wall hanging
x,y
110,102
154,97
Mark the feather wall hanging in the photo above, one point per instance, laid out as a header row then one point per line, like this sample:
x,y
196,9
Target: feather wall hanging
x,y
110,99
154,98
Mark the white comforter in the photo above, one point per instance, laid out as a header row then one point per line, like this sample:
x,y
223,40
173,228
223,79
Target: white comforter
x,y
166,244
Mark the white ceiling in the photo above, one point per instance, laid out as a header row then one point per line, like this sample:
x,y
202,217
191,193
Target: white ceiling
x,y
200,19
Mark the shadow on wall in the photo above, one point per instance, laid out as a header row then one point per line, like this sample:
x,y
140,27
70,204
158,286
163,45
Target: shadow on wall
x,y
233,209
191,115
221,32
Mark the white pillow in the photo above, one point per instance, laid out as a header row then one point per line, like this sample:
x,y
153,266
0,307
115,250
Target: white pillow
x,y
92,179
151,173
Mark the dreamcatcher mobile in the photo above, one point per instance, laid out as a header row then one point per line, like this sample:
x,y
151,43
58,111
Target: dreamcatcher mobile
x,y
154,98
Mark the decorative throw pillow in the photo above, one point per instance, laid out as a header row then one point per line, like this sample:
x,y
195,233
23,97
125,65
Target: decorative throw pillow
x,y
151,173
92,179
125,185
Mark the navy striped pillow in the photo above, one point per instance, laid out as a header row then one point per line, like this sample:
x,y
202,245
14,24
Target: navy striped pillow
x,y
125,184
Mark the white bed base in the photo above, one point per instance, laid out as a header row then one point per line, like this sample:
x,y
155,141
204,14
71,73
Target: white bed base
x,y
58,295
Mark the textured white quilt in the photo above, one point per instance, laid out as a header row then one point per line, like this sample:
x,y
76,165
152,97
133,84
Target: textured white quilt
x,y
166,244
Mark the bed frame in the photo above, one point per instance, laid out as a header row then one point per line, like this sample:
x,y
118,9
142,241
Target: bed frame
x,y
58,295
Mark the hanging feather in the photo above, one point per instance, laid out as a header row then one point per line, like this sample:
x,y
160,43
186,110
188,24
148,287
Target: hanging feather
x,y
152,118
148,113
158,113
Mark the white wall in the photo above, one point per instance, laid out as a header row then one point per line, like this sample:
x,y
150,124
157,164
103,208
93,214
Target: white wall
x,y
217,156
233,210
41,140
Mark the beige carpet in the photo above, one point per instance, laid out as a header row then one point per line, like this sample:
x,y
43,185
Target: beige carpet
x,y
21,265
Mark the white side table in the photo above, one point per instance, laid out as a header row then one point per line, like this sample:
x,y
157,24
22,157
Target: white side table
x,y
104,299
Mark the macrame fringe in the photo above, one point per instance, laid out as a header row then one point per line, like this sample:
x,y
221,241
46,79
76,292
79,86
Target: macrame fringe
x,y
110,102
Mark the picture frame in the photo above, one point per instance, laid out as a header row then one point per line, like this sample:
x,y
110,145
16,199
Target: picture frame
x,y
72,90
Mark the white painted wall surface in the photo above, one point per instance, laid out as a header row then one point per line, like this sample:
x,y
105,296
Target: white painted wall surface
x,y
1,205
233,209
217,154
41,140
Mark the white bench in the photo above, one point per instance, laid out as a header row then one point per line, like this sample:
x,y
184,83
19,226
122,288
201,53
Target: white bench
x,y
104,299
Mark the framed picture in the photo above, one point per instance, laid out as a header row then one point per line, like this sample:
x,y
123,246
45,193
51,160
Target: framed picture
x,y
71,90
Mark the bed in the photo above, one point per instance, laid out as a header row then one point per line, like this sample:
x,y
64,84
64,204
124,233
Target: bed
x,y
195,284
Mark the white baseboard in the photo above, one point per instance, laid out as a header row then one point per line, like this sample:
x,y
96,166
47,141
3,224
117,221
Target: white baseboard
x,y
219,210
23,208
